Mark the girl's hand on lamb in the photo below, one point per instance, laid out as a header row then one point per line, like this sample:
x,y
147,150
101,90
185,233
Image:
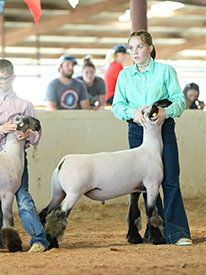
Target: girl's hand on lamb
x,y
9,128
157,120
138,117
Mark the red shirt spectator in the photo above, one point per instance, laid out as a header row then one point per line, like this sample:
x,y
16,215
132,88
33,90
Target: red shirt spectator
x,y
116,58
110,77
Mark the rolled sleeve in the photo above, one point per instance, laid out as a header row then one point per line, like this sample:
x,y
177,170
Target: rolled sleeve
x,y
120,107
175,95
34,136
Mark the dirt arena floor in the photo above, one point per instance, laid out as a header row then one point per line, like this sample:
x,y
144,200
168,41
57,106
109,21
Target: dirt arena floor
x,y
95,244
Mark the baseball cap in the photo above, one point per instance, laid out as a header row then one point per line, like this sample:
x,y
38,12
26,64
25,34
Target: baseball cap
x,y
64,58
120,48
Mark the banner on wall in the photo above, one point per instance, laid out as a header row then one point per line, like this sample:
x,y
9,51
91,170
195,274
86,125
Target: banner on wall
x,y
35,9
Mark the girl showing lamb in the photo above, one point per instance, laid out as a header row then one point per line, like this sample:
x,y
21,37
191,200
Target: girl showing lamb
x,y
140,85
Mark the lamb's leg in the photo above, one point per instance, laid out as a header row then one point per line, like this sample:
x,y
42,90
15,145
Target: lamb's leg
x,y
57,197
55,226
57,220
9,235
43,215
54,203
11,239
155,222
134,223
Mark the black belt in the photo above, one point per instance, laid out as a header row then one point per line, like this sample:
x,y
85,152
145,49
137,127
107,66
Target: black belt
x,y
131,121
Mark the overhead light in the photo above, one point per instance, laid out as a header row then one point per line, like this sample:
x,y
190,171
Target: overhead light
x,y
167,6
149,15
125,17
73,3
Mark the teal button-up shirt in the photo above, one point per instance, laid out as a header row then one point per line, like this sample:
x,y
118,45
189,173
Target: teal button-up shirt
x,y
135,90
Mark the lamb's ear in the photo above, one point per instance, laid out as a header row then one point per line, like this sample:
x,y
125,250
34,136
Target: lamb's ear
x,y
34,123
163,103
154,111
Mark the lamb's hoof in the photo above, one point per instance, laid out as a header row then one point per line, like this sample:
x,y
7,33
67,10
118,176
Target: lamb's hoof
x,y
14,248
11,239
145,240
134,239
157,241
156,236
53,243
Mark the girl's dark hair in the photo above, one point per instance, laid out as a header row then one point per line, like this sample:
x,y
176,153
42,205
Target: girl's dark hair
x,y
146,38
191,86
87,62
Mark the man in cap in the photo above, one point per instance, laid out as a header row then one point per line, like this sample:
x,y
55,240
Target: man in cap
x,y
65,92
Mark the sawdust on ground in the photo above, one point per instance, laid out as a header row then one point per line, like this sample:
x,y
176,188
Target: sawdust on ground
x,y
95,244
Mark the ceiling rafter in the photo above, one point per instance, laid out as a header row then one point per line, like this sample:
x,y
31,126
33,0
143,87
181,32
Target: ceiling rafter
x,y
94,27
45,6
77,55
53,23
163,53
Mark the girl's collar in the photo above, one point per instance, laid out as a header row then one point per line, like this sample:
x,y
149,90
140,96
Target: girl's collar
x,y
143,66
149,68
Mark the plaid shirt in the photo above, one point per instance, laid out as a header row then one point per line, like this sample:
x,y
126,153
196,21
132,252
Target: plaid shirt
x,y
11,105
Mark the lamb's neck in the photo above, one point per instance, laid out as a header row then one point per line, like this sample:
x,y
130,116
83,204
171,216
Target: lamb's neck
x,y
15,147
153,138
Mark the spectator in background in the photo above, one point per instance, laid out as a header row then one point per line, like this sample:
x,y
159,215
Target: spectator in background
x,y
116,59
191,93
96,88
65,92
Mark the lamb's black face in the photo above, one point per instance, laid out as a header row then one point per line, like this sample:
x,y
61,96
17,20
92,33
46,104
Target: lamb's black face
x,y
153,109
150,112
26,122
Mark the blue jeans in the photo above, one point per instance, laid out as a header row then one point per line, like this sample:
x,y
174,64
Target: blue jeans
x,y
173,214
28,213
